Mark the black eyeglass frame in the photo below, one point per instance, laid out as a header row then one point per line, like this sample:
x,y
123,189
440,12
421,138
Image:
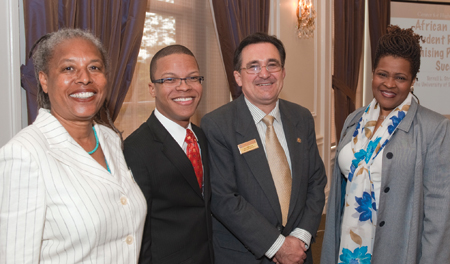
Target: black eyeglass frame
x,y
163,80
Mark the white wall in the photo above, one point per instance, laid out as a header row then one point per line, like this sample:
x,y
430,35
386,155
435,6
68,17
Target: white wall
x,y
308,66
10,102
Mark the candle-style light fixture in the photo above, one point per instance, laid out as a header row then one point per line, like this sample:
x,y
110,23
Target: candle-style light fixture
x,y
306,16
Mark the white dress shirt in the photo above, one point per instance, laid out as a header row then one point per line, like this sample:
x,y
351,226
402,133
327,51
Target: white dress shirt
x,y
258,115
59,205
177,132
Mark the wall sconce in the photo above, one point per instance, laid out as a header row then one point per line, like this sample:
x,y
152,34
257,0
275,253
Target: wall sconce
x,y
306,16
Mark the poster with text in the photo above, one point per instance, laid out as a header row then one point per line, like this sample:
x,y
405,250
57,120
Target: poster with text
x,y
432,22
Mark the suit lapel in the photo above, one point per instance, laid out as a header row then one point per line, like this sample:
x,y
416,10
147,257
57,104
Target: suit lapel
x,y
346,137
256,159
395,145
202,141
292,134
66,150
406,123
174,153
113,153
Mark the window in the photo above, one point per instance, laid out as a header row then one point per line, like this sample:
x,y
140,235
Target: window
x,y
186,22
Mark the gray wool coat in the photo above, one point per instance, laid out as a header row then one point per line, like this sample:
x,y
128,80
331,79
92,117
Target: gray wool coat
x,y
413,223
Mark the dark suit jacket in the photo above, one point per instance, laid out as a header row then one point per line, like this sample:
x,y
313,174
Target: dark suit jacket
x,y
178,224
247,215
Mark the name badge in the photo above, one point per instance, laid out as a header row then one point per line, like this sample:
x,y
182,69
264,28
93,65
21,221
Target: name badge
x,y
248,146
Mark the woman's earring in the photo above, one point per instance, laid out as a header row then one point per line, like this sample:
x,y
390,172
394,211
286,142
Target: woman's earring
x,y
412,88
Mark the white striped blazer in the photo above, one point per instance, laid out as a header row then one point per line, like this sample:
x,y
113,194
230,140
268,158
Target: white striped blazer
x,y
58,205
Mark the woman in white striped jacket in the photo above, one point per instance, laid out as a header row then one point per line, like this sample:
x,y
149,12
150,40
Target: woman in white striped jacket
x,y
66,194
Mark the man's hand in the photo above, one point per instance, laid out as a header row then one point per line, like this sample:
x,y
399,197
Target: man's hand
x,y
293,250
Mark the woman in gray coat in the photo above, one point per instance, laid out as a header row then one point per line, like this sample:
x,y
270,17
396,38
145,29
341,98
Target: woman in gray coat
x,y
390,193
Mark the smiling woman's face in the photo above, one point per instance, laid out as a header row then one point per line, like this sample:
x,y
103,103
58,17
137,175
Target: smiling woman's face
x,y
76,80
392,81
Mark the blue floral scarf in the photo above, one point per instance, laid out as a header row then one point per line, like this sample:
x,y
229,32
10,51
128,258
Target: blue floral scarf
x,y
360,208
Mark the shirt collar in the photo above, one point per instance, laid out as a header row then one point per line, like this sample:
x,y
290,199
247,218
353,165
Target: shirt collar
x,y
259,114
175,130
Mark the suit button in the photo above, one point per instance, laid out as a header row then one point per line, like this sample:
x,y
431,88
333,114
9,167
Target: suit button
x,y
123,200
129,240
280,228
381,223
387,189
389,155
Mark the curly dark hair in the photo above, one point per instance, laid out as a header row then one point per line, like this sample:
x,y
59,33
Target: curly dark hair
x,y
403,43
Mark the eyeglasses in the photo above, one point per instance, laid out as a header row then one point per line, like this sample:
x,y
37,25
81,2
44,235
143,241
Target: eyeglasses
x,y
256,68
174,82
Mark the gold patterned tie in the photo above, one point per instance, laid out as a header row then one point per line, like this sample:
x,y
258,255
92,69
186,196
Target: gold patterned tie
x,y
279,167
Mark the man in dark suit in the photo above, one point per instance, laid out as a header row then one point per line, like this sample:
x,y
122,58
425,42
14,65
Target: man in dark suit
x,y
168,156
266,173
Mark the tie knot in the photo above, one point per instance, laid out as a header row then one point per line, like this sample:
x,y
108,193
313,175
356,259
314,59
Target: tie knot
x,y
268,120
190,137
